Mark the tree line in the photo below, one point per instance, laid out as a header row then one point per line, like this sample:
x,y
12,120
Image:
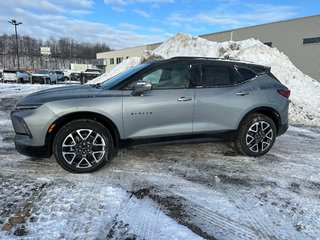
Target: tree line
x,y
63,51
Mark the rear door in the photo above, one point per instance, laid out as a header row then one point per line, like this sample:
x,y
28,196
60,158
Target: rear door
x,y
222,98
165,110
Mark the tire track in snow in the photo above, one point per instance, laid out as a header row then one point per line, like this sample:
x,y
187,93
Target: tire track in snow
x,y
203,220
211,219
258,228
224,228
82,227
258,222
145,215
146,220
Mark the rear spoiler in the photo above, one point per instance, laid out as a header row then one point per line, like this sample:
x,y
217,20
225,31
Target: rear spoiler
x,y
260,70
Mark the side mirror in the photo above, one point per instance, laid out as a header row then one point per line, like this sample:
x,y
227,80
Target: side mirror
x,y
140,87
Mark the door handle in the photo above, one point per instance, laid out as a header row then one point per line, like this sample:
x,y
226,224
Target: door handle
x,y
184,99
243,93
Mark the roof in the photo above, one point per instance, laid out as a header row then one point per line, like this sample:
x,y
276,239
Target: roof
x,y
190,58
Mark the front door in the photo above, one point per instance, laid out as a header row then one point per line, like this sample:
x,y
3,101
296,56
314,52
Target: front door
x,y
165,110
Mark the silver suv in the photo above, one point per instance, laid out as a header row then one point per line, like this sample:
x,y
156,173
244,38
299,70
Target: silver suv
x,y
178,98
44,76
16,76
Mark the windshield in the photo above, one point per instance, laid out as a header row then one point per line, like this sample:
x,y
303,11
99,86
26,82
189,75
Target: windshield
x,y
93,70
58,72
40,71
109,83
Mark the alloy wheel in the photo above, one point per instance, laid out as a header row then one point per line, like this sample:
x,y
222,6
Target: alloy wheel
x,y
83,148
259,136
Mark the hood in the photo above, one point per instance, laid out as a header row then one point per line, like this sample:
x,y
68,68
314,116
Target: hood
x,y
60,93
40,74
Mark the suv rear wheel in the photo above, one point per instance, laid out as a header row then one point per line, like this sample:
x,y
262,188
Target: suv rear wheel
x,y
256,135
83,146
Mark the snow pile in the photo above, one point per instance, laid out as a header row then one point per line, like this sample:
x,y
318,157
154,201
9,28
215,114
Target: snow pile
x,y
187,45
124,65
305,92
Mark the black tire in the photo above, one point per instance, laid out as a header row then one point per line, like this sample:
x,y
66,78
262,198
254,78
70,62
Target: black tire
x,y
256,135
83,146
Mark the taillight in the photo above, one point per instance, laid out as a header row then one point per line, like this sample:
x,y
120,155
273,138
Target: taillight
x,y
284,92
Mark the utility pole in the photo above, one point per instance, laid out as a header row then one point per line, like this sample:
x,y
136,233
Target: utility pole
x,y
15,23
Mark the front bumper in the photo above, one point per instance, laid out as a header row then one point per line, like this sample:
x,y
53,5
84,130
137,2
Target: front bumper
x,y
40,79
31,151
31,128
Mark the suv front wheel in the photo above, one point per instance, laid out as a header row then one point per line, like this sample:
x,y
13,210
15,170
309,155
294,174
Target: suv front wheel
x,y
256,135
83,146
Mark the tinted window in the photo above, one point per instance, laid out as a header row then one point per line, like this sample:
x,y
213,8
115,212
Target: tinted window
x,y
219,75
246,73
169,77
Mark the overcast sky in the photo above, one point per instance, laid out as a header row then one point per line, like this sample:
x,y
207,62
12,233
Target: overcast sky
x,y
128,23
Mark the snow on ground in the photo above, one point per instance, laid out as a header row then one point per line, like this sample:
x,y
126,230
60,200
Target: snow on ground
x,y
16,89
305,91
176,191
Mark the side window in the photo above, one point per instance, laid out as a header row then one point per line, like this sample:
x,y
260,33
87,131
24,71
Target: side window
x,y
246,73
218,75
175,76
170,77
153,77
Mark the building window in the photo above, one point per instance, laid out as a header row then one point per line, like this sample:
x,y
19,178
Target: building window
x,y
268,44
311,40
119,60
111,61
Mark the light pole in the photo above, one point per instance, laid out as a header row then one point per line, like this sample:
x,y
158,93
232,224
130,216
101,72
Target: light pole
x,y
15,23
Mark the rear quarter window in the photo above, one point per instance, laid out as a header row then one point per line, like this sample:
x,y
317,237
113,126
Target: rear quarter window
x,y
219,76
246,73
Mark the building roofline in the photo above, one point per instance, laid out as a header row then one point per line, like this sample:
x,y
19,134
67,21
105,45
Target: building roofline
x,y
149,44
258,25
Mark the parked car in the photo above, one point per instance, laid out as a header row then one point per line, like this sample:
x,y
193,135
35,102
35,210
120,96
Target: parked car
x,y
178,98
60,75
89,74
16,76
44,76
66,74
93,70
